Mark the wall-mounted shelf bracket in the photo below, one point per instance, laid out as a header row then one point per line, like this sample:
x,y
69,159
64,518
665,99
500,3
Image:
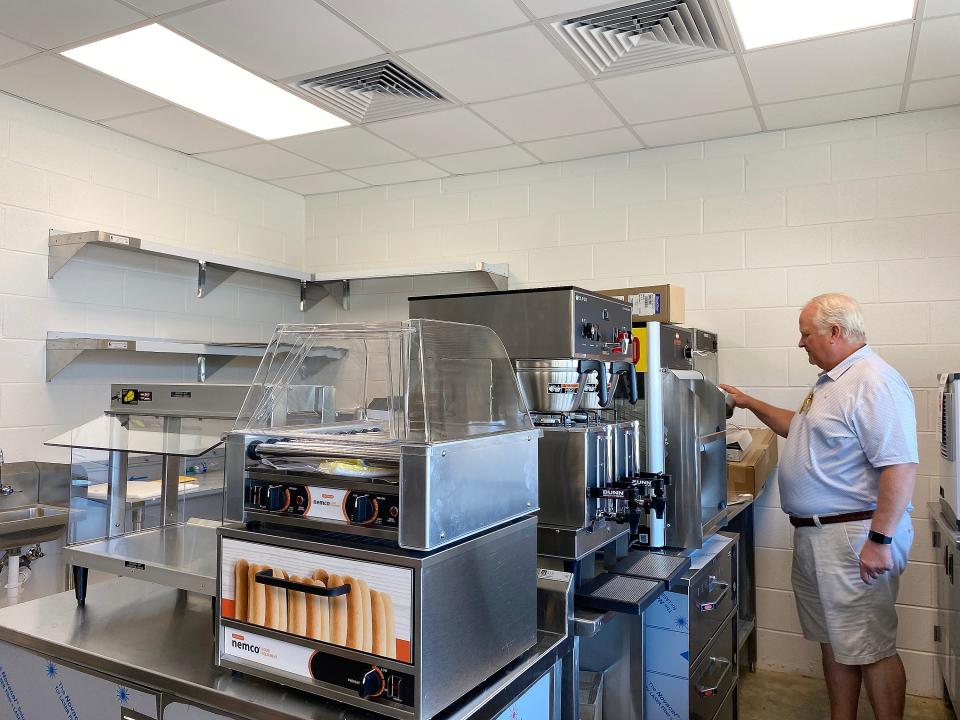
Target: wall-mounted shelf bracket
x,y
313,292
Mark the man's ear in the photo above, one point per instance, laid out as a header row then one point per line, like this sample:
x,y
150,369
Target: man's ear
x,y
835,333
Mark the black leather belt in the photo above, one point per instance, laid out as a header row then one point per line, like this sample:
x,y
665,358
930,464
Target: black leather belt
x,y
828,519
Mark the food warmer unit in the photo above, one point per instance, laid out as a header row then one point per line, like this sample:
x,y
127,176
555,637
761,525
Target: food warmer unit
x,y
385,558
146,484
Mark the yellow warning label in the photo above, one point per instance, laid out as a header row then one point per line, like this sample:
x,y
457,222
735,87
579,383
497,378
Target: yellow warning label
x,y
128,397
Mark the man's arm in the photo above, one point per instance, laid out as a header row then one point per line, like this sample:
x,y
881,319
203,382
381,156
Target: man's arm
x,y
896,489
775,418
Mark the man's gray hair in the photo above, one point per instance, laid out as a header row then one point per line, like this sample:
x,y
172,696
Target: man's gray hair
x,y
841,310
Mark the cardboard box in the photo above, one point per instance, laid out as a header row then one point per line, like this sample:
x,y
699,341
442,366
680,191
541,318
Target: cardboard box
x,y
751,473
660,303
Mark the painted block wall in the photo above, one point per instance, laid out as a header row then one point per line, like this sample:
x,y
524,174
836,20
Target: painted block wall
x,y
58,172
752,227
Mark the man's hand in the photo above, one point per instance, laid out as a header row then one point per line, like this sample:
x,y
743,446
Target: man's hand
x,y
740,398
875,560
777,419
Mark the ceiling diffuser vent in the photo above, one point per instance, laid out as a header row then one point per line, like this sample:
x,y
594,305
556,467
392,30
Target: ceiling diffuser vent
x,y
647,34
373,92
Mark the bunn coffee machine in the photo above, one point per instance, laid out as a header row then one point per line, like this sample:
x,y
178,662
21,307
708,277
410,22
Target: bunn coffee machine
x,y
573,352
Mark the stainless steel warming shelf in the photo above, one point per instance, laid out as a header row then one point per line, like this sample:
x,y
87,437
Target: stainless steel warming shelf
x,y
136,470
65,347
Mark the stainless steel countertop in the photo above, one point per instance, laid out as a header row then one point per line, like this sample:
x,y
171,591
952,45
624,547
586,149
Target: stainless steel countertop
x,y
163,639
950,535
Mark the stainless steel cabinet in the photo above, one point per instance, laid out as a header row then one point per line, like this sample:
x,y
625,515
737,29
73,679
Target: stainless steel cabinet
x,y
946,632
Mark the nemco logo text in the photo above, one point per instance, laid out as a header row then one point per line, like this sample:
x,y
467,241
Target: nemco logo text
x,y
240,645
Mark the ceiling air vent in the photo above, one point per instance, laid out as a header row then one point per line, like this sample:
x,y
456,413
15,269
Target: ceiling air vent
x,y
647,34
378,91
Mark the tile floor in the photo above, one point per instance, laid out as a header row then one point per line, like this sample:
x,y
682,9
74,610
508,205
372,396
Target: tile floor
x,y
765,695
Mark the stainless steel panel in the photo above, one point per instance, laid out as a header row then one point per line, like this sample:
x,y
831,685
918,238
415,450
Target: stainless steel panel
x,y
617,651
543,323
572,461
730,707
180,400
179,556
451,493
711,592
20,482
575,544
117,493
681,458
477,613
31,524
712,677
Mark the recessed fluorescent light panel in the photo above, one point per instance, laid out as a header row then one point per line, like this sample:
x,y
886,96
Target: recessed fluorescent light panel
x,y
772,22
161,62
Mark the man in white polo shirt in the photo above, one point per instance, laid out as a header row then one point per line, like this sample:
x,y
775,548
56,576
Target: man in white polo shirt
x,y
846,477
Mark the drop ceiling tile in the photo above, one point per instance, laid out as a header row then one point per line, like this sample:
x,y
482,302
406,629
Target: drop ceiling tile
x,y
842,63
345,148
440,133
553,113
933,8
934,93
484,160
569,8
678,91
52,23
493,66
415,23
263,161
847,106
278,40
589,144
182,130
159,7
938,52
317,184
701,127
11,50
58,83
397,173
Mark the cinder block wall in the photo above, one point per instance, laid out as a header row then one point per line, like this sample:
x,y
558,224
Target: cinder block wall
x,y
752,227
58,172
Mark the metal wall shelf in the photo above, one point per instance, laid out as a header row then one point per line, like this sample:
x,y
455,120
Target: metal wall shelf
x,y
65,347
213,269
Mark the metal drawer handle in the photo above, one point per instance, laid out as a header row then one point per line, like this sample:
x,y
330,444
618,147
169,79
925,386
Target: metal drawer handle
x,y
711,690
714,601
265,577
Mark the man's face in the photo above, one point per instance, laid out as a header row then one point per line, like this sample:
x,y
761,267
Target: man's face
x,y
814,340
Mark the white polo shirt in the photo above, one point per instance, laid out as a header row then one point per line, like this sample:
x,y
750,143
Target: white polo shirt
x,y
860,420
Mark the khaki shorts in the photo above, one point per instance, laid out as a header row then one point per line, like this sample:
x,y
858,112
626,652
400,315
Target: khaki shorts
x,y
835,606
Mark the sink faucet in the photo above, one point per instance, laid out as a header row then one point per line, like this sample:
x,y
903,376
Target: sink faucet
x,y
5,489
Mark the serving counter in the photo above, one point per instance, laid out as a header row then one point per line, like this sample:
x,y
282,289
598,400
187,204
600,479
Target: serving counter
x,y
146,652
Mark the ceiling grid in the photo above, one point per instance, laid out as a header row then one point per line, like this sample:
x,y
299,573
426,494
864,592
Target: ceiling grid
x,y
516,92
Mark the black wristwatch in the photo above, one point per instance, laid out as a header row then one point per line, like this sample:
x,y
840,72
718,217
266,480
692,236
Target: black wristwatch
x,y
880,538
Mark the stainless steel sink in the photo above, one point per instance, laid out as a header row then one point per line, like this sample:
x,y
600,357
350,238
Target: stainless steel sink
x,y
31,524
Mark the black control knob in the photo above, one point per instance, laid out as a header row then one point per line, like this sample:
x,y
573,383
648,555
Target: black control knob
x,y
687,352
273,498
364,509
372,684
